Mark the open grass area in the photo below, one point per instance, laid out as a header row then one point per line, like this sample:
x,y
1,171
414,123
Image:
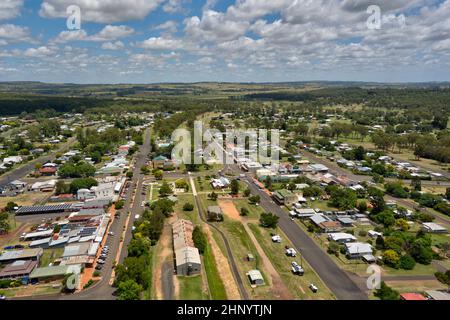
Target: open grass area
x,y
254,211
50,255
215,283
188,215
31,290
191,288
149,293
298,286
25,199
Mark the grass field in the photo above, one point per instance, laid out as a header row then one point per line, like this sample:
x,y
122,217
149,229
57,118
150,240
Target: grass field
x,y
254,211
50,255
191,288
215,283
25,199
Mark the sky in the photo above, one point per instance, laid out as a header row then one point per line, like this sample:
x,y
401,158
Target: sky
x,y
149,41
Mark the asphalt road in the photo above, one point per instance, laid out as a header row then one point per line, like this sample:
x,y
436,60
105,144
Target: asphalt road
x,y
334,278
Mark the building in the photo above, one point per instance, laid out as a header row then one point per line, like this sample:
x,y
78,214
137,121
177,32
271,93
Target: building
x,y
44,186
320,168
58,208
220,183
341,237
159,161
438,295
25,254
256,278
187,256
284,197
214,213
432,227
48,171
412,297
19,269
356,250
53,273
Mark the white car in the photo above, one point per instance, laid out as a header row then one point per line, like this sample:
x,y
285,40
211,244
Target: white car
x,y
291,252
297,269
313,288
276,239
137,216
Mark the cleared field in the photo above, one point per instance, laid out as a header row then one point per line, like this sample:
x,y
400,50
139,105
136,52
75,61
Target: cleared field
x,y
25,199
254,211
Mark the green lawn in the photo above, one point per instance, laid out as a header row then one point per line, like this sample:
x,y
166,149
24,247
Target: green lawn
x,y
191,288
254,211
215,283
50,255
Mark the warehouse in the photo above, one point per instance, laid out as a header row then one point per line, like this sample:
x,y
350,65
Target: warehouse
x,y
187,257
26,254
60,208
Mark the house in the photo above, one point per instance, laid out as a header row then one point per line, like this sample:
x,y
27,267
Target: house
x,y
214,213
356,250
48,171
159,161
17,185
284,197
256,278
319,168
305,213
25,254
220,183
187,256
342,237
18,269
374,234
53,273
44,186
12,160
432,227
346,222
325,224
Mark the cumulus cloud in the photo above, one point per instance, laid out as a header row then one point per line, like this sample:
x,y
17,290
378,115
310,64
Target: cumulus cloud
x,y
101,11
161,43
108,33
118,45
10,9
12,32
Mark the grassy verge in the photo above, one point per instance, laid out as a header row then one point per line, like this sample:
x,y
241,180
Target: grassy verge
x,y
191,288
215,283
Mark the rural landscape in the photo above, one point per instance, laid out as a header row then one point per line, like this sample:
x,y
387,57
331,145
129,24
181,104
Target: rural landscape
x,y
224,158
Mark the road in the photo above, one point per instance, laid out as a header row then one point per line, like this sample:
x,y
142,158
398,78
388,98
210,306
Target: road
x,y
24,169
234,268
334,278
103,290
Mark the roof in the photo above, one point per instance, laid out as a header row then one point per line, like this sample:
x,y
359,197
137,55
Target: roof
x,y
39,234
43,209
255,275
412,296
215,209
318,219
76,249
284,193
18,267
187,255
434,226
438,295
358,248
47,272
346,220
160,158
341,236
20,254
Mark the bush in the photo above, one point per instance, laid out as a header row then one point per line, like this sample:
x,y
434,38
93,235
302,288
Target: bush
x,y
188,207
386,293
119,204
362,233
407,262
244,212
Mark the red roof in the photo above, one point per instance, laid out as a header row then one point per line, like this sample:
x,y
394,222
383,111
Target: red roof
x,y
48,170
412,296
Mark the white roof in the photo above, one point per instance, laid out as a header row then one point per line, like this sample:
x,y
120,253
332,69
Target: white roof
x,y
358,248
341,236
434,226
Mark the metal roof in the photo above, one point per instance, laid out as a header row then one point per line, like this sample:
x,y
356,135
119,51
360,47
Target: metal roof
x,y
43,209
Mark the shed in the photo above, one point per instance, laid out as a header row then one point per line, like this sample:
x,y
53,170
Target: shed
x,y
256,278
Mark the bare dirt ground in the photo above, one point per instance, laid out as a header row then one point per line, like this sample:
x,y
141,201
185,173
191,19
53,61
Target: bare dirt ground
x,y
229,209
225,270
10,237
163,254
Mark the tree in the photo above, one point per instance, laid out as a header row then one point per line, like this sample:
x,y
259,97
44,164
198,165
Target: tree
x,y
119,204
188,207
269,220
447,193
244,212
234,187
391,258
344,199
158,174
421,251
386,218
145,170
165,189
129,290
362,206
199,239
82,183
61,187
402,224
247,192
10,206
407,262
213,196
254,199
268,182
4,223
416,184
386,293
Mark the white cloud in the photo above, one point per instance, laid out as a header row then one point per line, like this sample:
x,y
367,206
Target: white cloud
x,y
169,26
101,11
108,33
10,9
160,43
39,52
118,45
13,32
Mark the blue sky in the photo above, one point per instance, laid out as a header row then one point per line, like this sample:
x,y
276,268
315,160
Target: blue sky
x,y
145,41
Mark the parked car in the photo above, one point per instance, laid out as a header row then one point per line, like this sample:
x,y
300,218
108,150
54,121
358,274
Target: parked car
x,y
99,267
2,298
297,269
111,233
313,288
99,261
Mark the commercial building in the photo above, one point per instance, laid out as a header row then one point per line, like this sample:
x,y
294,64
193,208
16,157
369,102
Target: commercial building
x,y
19,269
285,197
25,254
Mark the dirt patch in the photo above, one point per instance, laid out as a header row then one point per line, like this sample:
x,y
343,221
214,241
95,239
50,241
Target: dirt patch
x,y
11,237
163,254
229,209
225,269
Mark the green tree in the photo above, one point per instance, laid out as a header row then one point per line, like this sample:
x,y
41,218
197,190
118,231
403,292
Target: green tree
x,y
234,187
247,192
158,174
269,220
386,293
199,239
165,189
188,207
391,258
244,212
129,290
407,262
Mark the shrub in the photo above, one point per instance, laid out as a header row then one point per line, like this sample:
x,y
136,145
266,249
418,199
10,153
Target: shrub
x,y
407,262
188,207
